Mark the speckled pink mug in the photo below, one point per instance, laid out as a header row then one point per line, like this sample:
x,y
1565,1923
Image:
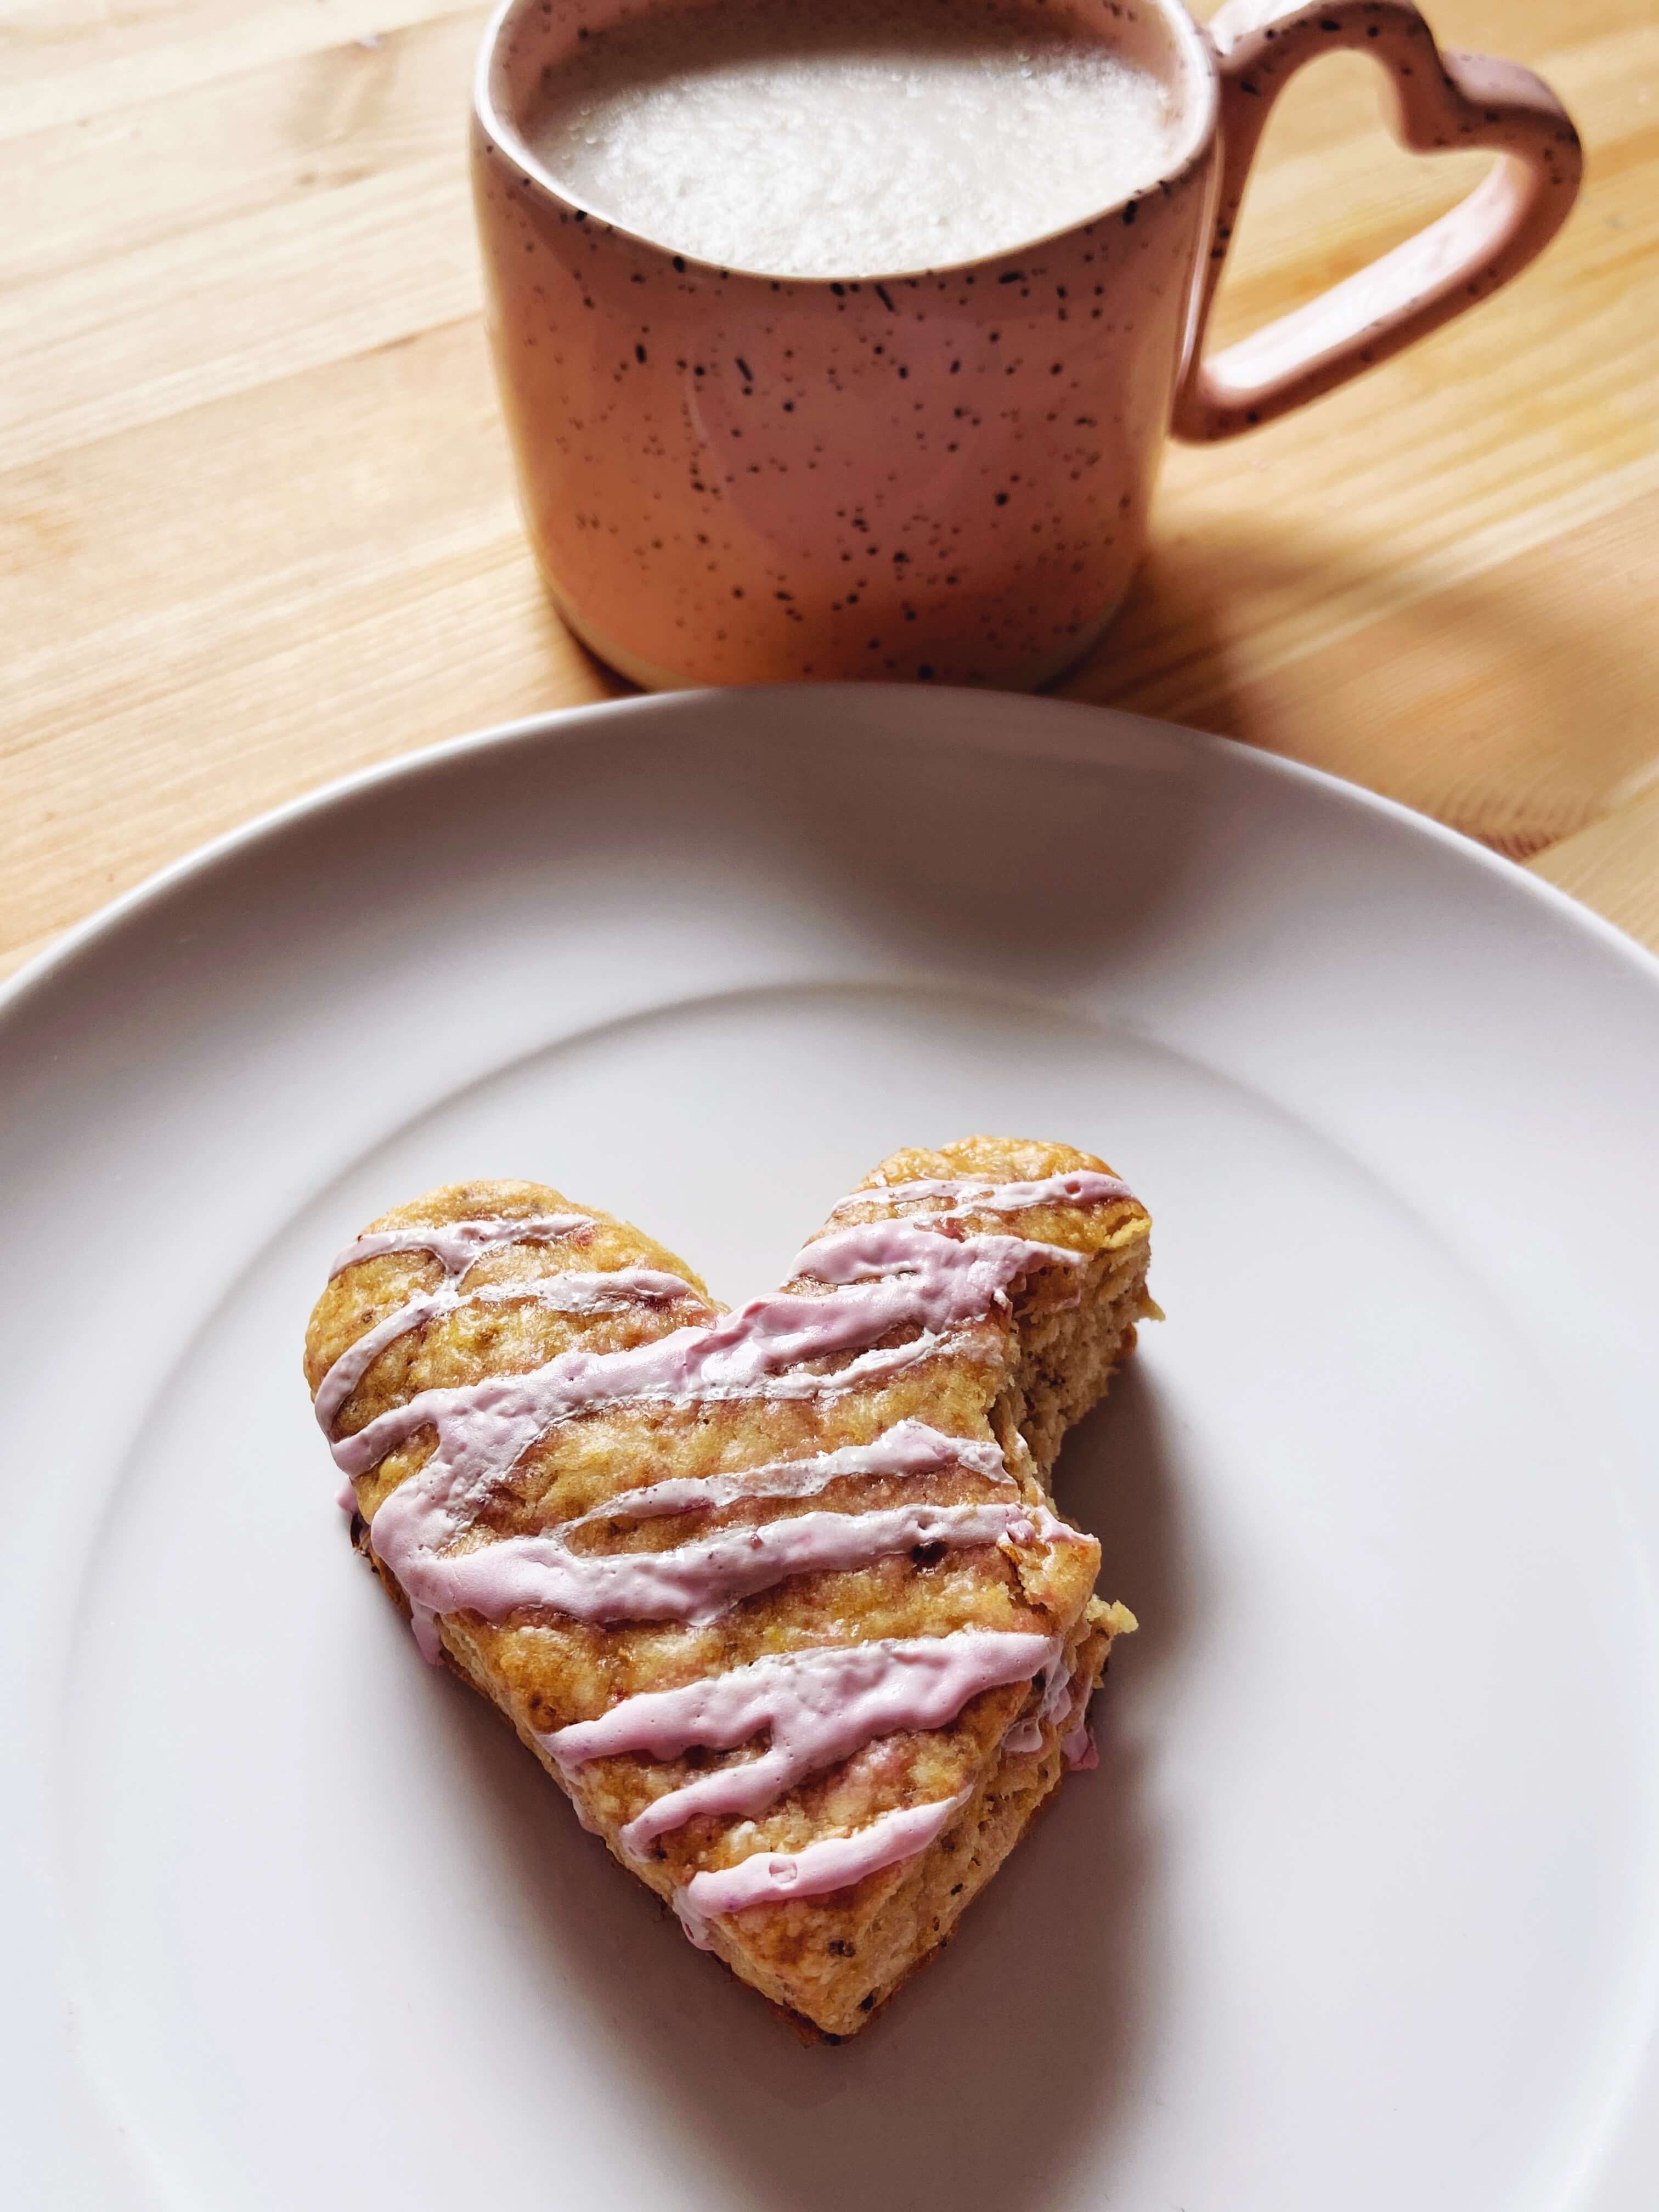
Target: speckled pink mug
x,y
730,478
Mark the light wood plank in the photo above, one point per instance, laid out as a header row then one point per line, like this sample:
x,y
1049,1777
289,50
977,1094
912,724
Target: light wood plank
x,y
67,60
188,160
282,290
1614,865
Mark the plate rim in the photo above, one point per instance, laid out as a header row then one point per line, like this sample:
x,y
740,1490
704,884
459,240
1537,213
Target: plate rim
x,y
553,726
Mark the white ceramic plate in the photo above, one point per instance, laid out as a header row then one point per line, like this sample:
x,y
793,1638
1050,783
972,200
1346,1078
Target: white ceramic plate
x,y
1361,1909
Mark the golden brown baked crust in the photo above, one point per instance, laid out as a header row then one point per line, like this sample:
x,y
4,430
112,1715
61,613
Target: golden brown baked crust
x,y
1019,1373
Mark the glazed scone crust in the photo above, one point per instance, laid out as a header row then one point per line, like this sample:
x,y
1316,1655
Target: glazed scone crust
x,y
1019,1376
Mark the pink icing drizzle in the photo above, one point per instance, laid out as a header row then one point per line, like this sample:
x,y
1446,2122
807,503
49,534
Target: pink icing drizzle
x,y
484,1428
694,1583
1077,1748
1027,1735
980,1195
908,1448
586,1291
834,1862
458,1244
873,1249
817,1706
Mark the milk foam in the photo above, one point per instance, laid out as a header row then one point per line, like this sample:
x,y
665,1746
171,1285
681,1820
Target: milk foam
x,y
849,137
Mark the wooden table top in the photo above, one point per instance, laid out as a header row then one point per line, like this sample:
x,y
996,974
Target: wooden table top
x,y
256,524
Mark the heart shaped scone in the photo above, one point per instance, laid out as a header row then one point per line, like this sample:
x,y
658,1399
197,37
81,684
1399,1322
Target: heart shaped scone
x,y
779,1596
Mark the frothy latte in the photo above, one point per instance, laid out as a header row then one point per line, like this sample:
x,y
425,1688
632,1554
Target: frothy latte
x,y
849,137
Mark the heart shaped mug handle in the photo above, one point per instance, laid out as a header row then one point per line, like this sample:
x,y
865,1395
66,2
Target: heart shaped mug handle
x,y
1440,102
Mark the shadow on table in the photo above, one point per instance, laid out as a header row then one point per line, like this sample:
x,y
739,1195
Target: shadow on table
x,y
1498,702
1047,2003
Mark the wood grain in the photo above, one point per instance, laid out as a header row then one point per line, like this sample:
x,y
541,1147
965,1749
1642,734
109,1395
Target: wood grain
x,y
1614,865
257,523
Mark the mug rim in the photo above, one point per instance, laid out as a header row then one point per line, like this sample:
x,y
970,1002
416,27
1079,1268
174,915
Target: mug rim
x,y
499,129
